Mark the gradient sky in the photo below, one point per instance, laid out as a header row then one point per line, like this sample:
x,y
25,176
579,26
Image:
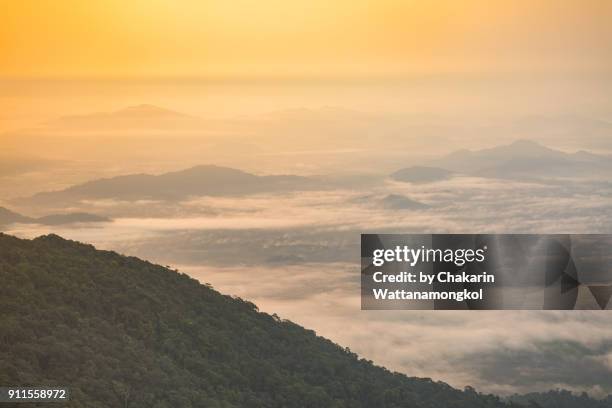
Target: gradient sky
x,y
478,73
75,38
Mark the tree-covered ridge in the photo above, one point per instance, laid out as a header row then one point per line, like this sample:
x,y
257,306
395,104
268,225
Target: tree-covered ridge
x,y
560,399
123,332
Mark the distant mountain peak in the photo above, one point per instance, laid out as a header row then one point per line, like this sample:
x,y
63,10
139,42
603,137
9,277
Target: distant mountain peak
x,y
148,110
203,180
8,217
421,174
134,116
525,158
401,202
212,167
520,146
525,143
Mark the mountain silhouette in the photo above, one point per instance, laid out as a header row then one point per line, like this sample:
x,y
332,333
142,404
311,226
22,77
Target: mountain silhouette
x,y
123,332
144,116
522,159
70,218
421,174
205,180
400,202
8,217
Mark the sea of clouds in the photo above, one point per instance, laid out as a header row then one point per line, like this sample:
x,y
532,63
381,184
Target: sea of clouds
x,y
297,255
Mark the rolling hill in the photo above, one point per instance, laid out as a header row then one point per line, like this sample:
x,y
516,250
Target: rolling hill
x,y
196,181
527,159
137,117
522,159
8,217
123,332
421,174
400,202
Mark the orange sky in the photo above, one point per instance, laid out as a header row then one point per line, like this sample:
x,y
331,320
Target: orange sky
x,y
72,38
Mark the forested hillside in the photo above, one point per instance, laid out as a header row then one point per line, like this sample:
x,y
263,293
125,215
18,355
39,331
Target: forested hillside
x,y
561,399
121,332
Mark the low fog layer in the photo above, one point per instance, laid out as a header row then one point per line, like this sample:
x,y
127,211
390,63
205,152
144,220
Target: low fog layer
x,y
297,254
424,155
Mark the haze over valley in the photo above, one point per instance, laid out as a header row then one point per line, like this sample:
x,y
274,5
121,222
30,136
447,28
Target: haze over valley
x,y
248,145
279,224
